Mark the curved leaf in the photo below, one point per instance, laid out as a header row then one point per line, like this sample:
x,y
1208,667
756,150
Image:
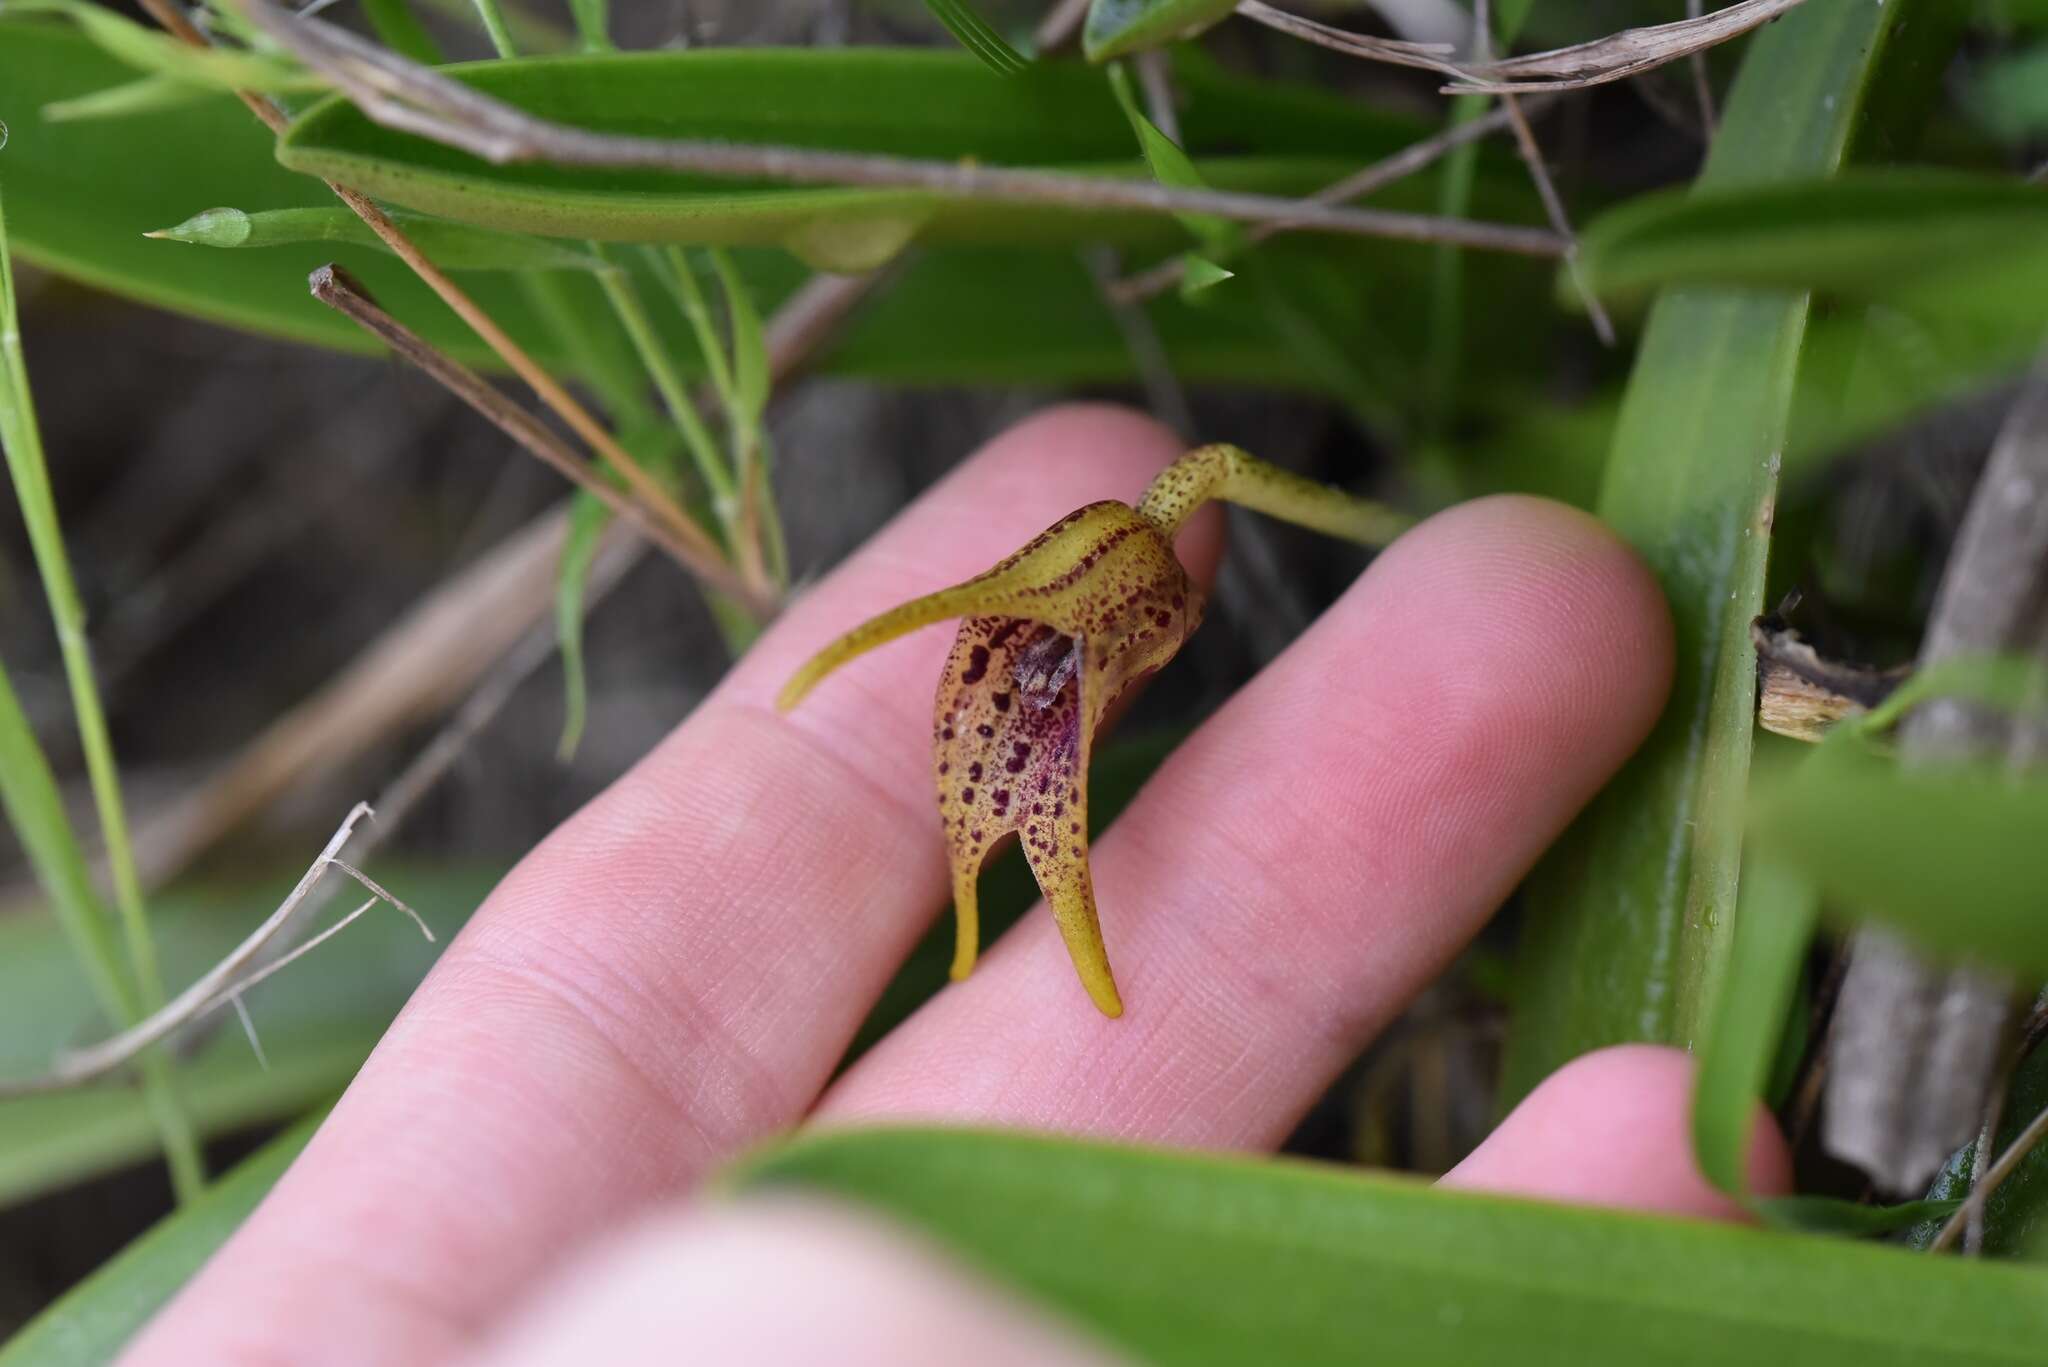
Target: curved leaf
x,y
1116,27
1190,1259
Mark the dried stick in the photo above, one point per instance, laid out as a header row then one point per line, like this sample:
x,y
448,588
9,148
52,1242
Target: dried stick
x,y
416,99
1378,176
219,984
550,392
2015,1154
1621,55
692,548
1394,52
1061,22
1917,1042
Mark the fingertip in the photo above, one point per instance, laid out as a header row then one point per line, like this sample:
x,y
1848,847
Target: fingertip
x,y
1613,1128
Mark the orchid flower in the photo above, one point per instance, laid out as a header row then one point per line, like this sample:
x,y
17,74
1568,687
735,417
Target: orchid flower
x,y
1051,638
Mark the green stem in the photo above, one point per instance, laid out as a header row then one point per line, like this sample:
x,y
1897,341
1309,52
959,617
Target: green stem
x,y
689,297
632,315
494,24
27,467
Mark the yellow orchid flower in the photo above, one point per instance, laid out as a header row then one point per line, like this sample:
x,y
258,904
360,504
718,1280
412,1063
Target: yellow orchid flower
x,y
1052,637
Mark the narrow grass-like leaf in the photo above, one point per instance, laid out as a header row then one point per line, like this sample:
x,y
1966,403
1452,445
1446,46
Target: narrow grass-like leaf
x,y
1117,27
452,246
220,68
148,95
317,1019
1170,166
593,19
975,34
399,29
1864,232
1827,1215
1197,1259
1773,925
1630,919
93,1320
1951,856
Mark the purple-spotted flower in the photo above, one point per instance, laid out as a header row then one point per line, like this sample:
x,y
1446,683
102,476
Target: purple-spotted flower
x,y
1051,638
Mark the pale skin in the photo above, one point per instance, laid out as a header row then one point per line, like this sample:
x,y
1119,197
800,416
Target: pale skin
x,y
673,974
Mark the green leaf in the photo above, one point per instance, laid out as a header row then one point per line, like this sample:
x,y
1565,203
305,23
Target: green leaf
x,y
593,23
1630,918
1170,166
1951,855
1117,27
750,370
908,102
399,29
2016,1214
2011,97
965,23
1196,1259
455,246
1774,923
1201,274
149,95
93,1320
317,1021
1827,1215
145,49
82,198
1864,233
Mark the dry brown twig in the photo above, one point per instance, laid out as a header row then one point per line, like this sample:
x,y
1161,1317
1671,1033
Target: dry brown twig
x,y
1613,58
341,292
221,984
412,98
550,391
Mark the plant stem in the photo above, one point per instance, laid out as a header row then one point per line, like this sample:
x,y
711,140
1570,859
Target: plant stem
x,y
494,24
29,471
632,315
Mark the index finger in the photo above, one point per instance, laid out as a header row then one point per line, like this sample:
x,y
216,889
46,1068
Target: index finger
x,y
671,975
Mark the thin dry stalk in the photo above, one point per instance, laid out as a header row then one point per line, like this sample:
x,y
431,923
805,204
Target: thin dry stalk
x,y
1392,51
1061,23
2008,1162
1554,210
404,95
695,552
220,984
1406,162
1621,55
550,392
1702,82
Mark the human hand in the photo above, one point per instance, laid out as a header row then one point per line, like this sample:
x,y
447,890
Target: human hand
x,y
674,974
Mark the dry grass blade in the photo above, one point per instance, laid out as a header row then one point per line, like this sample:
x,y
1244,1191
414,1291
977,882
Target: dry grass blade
x,y
1621,55
222,983
1393,51
415,99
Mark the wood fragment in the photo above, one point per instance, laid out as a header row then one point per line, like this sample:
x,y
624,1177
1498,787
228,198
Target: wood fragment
x,y
1802,694
1917,1041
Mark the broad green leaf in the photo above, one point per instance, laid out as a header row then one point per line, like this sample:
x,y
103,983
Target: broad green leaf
x,y
2016,1214
1864,233
82,199
455,246
1630,919
1951,856
89,1324
317,1021
965,23
1193,1259
919,103
1116,27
